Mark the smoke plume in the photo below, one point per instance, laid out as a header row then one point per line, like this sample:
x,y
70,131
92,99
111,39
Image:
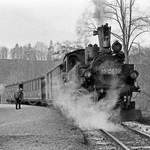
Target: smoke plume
x,y
98,11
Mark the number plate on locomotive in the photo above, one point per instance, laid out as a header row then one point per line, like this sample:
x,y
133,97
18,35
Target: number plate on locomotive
x,y
110,70
109,67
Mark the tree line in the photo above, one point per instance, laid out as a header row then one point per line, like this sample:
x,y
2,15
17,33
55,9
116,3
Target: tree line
x,y
39,51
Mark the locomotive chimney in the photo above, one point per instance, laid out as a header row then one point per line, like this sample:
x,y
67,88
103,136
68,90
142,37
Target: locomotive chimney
x,y
103,33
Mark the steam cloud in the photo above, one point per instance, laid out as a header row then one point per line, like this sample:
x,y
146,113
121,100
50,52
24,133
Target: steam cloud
x,y
78,105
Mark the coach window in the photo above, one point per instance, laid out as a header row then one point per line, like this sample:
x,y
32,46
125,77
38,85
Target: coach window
x,y
35,84
38,83
28,86
31,85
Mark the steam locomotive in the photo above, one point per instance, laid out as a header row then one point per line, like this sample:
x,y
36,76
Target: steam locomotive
x,y
103,69
96,69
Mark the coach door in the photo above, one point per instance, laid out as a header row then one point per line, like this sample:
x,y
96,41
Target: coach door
x,y
43,89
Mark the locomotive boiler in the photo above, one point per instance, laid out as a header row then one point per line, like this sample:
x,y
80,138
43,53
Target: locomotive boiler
x,y
101,69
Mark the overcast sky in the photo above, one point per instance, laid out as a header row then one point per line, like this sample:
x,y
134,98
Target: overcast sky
x,y
24,21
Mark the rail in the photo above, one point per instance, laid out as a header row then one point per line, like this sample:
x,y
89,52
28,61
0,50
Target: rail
x,y
123,146
126,139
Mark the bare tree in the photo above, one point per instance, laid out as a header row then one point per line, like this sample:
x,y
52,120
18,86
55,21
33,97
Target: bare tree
x,y
41,50
130,24
50,50
17,52
84,27
29,52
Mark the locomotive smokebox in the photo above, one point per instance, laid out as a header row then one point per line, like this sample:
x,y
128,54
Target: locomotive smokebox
x,y
104,36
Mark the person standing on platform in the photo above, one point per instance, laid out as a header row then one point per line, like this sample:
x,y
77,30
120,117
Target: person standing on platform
x,y
18,98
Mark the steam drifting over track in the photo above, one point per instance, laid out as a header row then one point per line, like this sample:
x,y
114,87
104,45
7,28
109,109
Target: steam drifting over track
x,y
127,138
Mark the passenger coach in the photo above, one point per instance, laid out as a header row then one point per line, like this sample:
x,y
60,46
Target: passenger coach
x,y
34,91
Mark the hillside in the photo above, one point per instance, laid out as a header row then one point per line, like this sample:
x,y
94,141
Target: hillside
x,y
12,71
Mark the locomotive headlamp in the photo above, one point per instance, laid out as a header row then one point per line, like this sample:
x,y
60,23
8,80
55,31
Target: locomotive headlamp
x,y
87,74
116,46
134,74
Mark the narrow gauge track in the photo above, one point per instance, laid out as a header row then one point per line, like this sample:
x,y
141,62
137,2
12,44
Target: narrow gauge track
x,y
99,140
132,139
126,139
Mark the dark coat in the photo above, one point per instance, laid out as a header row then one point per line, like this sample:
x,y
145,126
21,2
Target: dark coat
x,y
18,95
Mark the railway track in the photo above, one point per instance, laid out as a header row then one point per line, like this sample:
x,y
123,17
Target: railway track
x,y
99,140
126,139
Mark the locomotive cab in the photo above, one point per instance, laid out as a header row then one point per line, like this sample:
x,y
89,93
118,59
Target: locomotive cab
x,y
71,59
